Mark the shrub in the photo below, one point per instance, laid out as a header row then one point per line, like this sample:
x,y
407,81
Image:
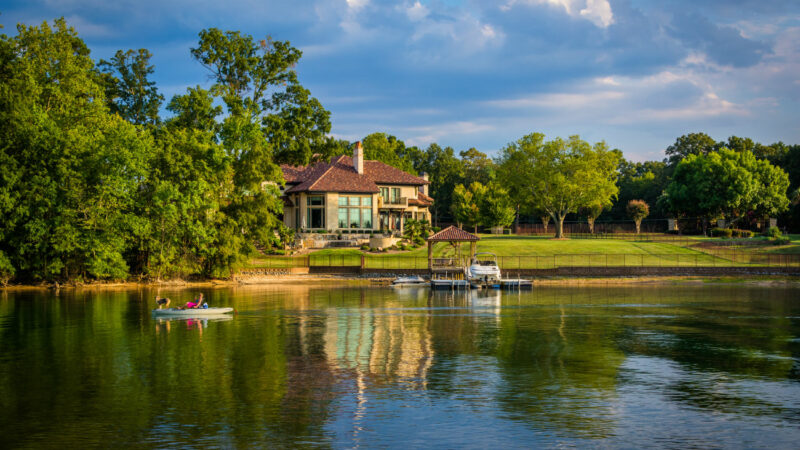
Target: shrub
x,y
781,241
277,251
365,247
6,269
742,233
436,229
721,232
774,232
321,231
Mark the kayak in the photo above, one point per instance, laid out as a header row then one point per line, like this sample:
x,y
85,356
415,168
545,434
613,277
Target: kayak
x,y
194,312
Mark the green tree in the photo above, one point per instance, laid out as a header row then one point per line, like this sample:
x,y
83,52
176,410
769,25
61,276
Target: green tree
x,y
466,201
495,206
263,100
563,176
71,169
388,149
638,210
639,180
128,90
726,184
477,167
689,144
445,171
592,212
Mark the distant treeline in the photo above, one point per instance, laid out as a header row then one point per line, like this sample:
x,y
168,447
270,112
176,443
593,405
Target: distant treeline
x,y
95,184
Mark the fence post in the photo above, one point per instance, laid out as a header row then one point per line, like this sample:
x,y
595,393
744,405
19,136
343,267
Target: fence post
x,y
362,261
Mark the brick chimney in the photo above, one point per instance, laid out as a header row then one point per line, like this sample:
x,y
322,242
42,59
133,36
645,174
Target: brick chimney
x,y
424,187
358,158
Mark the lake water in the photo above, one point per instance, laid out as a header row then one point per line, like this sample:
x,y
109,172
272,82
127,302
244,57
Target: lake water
x,y
666,366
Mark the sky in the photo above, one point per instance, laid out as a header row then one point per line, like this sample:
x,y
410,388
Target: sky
x,y
470,73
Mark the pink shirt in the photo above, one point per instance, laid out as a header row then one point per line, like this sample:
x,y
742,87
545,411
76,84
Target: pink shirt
x,y
191,304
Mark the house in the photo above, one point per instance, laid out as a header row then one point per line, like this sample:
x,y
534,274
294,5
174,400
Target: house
x,y
354,194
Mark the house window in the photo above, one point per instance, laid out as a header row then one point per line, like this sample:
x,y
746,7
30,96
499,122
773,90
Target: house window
x,y
355,211
315,211
385,194
395,195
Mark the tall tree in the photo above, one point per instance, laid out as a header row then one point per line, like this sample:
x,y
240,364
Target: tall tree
x,y
689,144
129,91
388,149
466,204
726,184
71,170
477,167
563,176
496,209
446,171
270,118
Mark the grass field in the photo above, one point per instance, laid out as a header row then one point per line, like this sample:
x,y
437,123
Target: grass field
x,y
523,252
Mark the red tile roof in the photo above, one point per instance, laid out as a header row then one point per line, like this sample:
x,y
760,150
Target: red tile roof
x,y
453,233
340,176
292,174
421,200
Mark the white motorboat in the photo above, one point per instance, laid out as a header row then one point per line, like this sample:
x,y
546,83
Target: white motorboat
x,y
484,269
414,280
192,312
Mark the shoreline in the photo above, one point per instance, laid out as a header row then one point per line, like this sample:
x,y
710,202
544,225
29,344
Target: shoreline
x,y
748,280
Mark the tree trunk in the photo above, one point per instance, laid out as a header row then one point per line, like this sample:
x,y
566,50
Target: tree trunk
x,y
559,222
638,226
591,225
546,222
516,221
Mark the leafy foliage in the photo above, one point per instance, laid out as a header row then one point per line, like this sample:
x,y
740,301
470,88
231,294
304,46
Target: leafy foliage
x,y
638,210
560,176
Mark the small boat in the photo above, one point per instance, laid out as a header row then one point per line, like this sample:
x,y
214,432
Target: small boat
x,y
414,280
193,312
484,269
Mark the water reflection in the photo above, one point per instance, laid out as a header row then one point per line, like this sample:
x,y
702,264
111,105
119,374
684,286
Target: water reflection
x,y
336,366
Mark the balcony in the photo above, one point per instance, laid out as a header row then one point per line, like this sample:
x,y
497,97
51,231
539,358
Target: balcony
x,y
397,203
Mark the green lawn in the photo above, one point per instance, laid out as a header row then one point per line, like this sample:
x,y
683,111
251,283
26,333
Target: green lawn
x,y
516,252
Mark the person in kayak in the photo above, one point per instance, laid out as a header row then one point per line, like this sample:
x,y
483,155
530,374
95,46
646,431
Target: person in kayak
x,y
197,303
162,302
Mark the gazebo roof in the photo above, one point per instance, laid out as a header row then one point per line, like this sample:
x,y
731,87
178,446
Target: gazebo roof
x,y
453,234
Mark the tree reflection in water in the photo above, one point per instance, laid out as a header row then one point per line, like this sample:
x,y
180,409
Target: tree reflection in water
x,y
345,366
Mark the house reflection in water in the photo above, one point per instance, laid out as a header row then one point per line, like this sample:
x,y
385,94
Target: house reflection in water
x,y
384,344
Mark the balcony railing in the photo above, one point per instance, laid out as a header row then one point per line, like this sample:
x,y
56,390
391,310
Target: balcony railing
x,y
401,202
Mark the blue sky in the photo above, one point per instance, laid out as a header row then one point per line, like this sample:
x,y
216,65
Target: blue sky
x,y
635,73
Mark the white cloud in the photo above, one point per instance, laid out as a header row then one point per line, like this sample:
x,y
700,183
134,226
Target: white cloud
x,y
357,4
596,11
417,11
599,12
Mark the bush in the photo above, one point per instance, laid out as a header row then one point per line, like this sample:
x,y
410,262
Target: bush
x,y
321,231
774,232
436,229
742,233
419,241
365,247
721,232
277,251
6,269
781,241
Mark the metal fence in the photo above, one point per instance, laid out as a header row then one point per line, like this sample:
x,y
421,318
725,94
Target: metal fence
x,y
710,258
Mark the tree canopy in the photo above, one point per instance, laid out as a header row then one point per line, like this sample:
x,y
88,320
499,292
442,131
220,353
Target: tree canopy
x,y
560,176
728,184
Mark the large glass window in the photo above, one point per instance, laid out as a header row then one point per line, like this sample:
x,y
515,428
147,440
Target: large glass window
x,y
395,195
355,211
315,211
385,194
